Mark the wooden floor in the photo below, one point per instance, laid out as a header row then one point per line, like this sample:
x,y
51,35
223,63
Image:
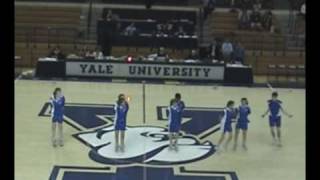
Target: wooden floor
x,y
81,158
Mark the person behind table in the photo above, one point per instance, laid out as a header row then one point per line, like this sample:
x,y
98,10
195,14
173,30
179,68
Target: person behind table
x,y
121,109
180,32
194,55
242,123
162,55
255,20
274,108
238,54
175,116
130,30
56,53
227,50
90,54
57,108
98,53
168,28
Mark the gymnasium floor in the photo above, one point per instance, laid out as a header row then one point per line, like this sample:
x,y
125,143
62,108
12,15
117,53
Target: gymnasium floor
x,y
88,118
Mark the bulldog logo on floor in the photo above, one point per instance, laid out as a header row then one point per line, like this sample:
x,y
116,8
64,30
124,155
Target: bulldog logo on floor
x,y
144,144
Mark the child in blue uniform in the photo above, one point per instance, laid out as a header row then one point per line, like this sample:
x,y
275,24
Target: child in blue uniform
x,y
175,117
226,127
274,108
242,123
57,106
121,109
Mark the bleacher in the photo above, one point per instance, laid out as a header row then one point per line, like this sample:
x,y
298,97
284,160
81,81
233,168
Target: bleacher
x,y
146,22
43,22
39,28
262,48
155,14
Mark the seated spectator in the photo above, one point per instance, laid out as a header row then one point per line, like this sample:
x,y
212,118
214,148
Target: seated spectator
x,y
244,20
180,32
162,55
213,49
168,27
82,52
255,20
257,5
303,10
294,4
73,55
159,30
130,30
245,5
107,16
267,21
208,7
227,50
233,6
194,55
98,53
56,53
268,4
90,54
238,54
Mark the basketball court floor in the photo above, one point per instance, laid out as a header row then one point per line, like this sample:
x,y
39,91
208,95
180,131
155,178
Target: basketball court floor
x,y
88,151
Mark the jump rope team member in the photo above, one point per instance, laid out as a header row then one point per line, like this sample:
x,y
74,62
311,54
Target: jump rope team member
x,y
57,107
274,108
175,117
226,127
121,109
242,123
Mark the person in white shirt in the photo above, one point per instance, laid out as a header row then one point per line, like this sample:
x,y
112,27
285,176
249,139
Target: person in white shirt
x,y
98,54
227,50
130,30
303,9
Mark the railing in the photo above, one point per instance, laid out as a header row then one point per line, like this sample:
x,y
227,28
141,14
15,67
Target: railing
x,y
53,35
259,42
46,35
200,25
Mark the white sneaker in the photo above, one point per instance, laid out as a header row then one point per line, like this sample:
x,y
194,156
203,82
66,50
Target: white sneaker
x,y
116,148
244,147
234,147
176,147
218,149
225,147
61,142
122,148
274,142
170,147
54,143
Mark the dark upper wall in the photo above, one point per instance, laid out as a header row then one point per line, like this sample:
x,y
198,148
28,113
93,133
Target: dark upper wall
x,y
275,4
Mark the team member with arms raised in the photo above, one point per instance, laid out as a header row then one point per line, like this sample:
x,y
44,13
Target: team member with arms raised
x,y
175,117
274,108
57,107
121,109
226,127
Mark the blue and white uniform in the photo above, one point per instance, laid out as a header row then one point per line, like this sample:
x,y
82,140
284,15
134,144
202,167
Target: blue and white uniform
x,y
120,118
227,120
243,120
175,115
57,109
274,117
